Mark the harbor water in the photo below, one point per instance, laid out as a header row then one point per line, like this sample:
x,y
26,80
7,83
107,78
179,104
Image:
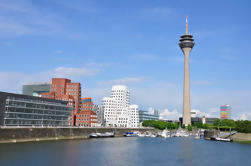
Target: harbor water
x,y
124,151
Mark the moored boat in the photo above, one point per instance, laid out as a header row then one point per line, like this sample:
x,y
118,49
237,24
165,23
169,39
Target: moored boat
x,y
101,135
130,134
221,139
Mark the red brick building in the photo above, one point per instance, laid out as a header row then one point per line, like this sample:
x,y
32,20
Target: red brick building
x,y
64,89
86,117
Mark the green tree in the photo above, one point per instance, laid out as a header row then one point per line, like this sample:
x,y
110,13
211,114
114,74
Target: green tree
x,y
198,125
217,122
176,125
243,126
190,127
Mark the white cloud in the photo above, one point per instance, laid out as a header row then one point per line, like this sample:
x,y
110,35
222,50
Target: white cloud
x,y
213,100
170,115
151,110
165,95
96,93
126,80
198,113
23,18
73,72
244,116
13,81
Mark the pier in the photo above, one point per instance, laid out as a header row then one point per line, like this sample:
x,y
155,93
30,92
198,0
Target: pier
x,y
26,134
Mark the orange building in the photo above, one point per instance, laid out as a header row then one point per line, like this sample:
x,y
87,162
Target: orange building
x,y
86,117
64,89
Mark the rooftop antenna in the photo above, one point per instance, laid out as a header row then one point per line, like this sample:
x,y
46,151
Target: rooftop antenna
x,y
186,26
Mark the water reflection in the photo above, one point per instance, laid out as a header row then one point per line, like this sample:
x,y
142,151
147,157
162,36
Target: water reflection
x,y
121,151
187,152
125,152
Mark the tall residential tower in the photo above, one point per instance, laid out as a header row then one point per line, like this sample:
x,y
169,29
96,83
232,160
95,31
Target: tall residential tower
x,y
186,44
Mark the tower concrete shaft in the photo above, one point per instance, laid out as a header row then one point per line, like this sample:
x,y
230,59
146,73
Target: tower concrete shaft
x,y
186,90
186,44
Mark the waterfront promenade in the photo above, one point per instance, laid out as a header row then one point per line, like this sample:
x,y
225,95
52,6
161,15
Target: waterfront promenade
x,y
26,134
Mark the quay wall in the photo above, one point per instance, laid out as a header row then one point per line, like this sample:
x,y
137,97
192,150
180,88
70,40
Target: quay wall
x,y
19,134
238,137
242,137
209,133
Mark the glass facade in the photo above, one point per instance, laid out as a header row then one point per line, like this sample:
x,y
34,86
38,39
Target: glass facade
x,y
36,89
35,112
199,120
145,115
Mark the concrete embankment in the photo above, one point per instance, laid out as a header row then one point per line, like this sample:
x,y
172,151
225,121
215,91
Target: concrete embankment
x,y
19,134
242,137
209,133
238,137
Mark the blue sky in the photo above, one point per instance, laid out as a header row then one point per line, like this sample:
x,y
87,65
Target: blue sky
x,y
134,42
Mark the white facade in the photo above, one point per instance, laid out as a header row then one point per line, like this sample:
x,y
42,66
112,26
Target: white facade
x,y
109,106
134,116
117,109
122,95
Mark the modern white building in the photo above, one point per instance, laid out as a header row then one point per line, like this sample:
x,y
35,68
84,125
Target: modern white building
x,y
117,109
134,116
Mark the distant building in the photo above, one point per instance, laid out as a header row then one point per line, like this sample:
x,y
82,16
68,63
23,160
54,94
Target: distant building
x,y
24,110
193,114
116,109
199,120
225,111
86,116
64,89
36,89
145,115
204,121
97,109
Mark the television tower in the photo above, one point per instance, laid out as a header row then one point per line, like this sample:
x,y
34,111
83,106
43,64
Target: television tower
x,y
186,44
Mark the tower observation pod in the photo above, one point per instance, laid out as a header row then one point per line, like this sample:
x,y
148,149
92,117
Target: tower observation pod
x,y
186,44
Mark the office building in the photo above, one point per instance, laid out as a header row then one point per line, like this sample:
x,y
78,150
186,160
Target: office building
x,y
225,111
202,120
97,109
86,116
36,89
133,113
117,111
145,115
24,110
64,89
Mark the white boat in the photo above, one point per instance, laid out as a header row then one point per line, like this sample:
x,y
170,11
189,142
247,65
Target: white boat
x,y
93,135
101,135
197,135
141,135
221,139
181,133
165,134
